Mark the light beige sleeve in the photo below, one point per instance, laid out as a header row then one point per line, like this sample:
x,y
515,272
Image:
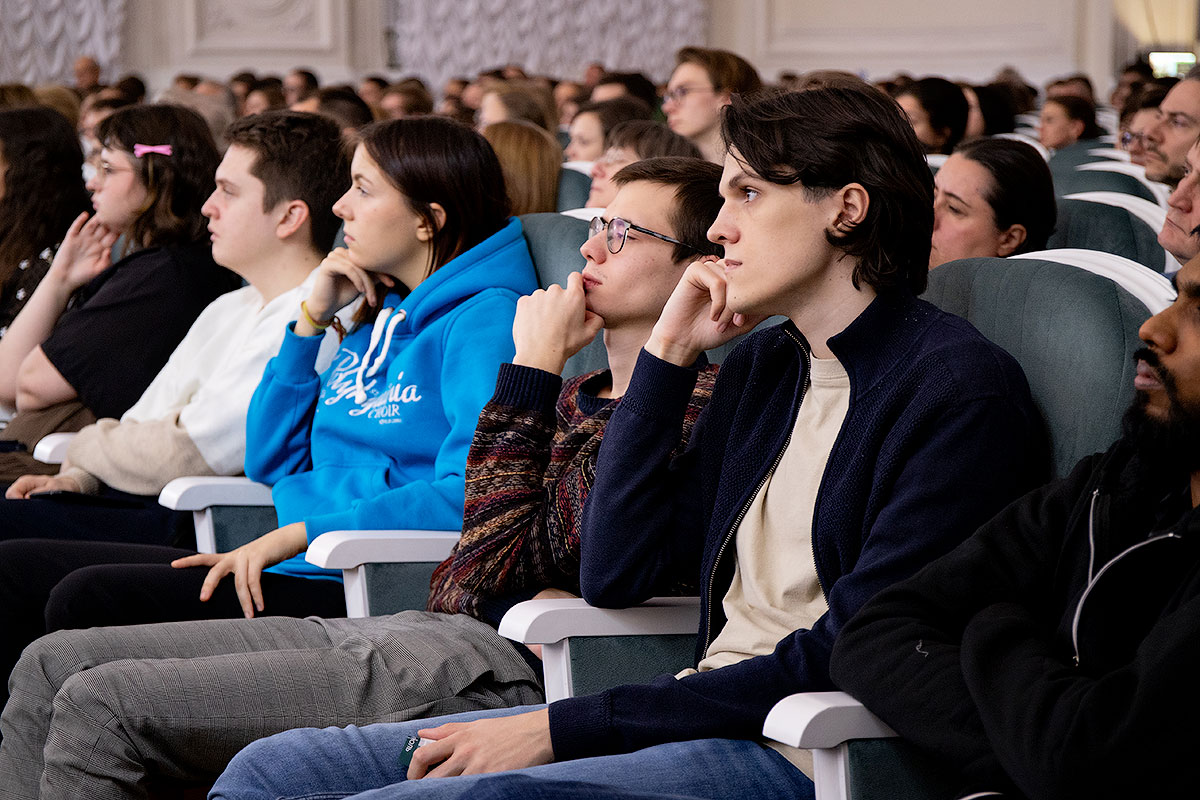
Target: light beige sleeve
x,y
136,457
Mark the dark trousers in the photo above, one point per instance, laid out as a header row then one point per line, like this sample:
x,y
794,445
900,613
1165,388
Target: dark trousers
x,y
48,585
111,516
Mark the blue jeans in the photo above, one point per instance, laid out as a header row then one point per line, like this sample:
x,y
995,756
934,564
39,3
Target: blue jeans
x,y
364,762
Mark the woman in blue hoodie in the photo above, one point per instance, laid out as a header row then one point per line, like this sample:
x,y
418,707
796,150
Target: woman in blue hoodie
x,y
379,440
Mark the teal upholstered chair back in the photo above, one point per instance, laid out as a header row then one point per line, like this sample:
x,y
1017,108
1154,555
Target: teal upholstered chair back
x,y
1079,180
1068,158
573,189
1073,333
1096,226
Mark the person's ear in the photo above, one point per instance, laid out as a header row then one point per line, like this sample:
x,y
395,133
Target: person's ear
x,y
425,232
1011,239
850,209
294,215
1077,128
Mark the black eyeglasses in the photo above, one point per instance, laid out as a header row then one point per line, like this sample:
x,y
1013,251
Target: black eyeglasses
x,y
619,228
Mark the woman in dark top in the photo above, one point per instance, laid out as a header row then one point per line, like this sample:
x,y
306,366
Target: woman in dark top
x,y
41,191
94,334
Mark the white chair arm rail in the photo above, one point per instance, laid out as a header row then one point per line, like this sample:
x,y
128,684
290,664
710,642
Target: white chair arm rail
x,y
52,448
199,493
350,549
821,720
550,621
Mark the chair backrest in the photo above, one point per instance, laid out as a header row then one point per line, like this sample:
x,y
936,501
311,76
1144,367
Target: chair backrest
x,y
1106,227
1072,332
1111,153
1153,290
1032,141
573,189
1160,191
1068,158
1088,180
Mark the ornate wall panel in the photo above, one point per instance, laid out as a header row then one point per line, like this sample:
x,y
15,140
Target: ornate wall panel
x,y
440,40
40,39
222,27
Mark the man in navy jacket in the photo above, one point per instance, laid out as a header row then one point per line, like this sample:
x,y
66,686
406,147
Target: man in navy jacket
x,y
841,451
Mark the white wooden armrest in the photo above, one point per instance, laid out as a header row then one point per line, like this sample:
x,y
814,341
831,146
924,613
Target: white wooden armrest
x,y
52,448
550,621
822,719
199,493
823,722
350,549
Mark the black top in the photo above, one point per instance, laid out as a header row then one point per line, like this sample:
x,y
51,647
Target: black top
x,y
121,328
20,285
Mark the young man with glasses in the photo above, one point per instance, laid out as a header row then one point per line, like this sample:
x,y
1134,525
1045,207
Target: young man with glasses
x,y
531,464
701,85
842,450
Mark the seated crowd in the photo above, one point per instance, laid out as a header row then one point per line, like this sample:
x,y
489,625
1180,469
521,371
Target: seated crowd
x,y
330,290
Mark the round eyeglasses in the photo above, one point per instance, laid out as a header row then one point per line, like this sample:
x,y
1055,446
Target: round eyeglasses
x,y
619,228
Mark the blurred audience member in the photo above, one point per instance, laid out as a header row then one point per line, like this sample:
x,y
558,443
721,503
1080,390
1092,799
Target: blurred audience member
x,y
16,95
531,161
1067,119
370,89
517,101
299,84
630,141
407,99
700,86
937,111
241,84
62,100
264,96
591,125
621,84
87,75
41,194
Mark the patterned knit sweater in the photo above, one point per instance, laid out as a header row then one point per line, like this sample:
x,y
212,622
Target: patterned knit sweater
x,y
529,471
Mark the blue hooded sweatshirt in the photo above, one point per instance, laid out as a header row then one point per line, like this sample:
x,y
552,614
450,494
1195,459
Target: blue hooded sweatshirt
x,y
380,440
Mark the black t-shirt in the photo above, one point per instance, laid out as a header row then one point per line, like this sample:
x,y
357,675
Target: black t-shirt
x,y
122,327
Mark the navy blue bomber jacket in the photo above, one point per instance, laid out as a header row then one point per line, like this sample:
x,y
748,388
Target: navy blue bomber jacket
x,y
940,434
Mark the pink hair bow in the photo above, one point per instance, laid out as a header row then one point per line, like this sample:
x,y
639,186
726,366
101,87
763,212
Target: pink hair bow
x,y
140,150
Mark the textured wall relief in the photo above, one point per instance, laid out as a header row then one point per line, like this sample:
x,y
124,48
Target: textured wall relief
x,y
40,39
441,40
225,26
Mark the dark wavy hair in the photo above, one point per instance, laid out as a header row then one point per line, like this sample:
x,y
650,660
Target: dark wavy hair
x,y
436,160
288,145
824,139
945,104
1022,190
176,185
43,184
697,199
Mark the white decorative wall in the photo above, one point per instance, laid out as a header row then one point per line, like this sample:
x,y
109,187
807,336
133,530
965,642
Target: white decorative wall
x,y
40,39
438,40
970,40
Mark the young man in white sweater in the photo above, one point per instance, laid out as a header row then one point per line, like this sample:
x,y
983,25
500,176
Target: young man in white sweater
x,y
271,222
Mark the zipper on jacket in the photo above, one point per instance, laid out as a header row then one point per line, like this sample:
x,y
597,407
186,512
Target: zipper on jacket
x,y
712,575
1092,583
1092,534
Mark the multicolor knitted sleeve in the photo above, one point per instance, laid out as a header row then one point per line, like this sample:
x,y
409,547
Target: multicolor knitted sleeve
x,y
528,476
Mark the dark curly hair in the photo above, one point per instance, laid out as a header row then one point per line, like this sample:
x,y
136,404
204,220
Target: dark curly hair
x,y
43,184
176,185
824,139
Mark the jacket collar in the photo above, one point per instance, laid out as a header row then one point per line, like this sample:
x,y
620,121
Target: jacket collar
x,y
878,338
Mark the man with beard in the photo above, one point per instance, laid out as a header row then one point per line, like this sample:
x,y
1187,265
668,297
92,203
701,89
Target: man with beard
x,y
1180,234
1055,653
1173,133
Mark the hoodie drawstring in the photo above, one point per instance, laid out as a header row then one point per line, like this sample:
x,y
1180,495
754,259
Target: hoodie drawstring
x,y
385,319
